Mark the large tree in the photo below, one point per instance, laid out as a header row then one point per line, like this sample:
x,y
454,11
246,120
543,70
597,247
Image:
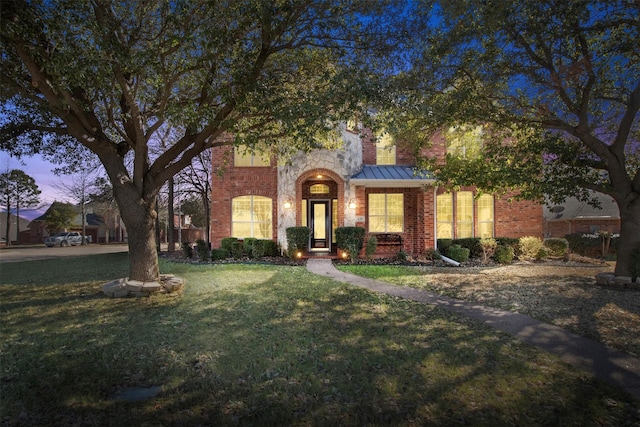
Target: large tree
x,y
17,190
110,75
556,86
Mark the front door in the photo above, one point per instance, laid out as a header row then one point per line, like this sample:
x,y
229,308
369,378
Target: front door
x,y
320,222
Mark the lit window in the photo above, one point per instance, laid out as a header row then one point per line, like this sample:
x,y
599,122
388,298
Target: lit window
x,y
244,158
464,214
319,189
385,150
386,213
464,141
251,217
485,216
444,212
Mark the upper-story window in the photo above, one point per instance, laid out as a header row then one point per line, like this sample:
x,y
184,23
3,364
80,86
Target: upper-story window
x,y
464,141
244,158
385,150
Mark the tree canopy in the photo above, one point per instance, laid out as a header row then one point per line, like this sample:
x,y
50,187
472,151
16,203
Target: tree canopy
x,y
555,86
112,75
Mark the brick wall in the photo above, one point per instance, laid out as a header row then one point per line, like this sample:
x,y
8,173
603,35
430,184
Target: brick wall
x,y
234,182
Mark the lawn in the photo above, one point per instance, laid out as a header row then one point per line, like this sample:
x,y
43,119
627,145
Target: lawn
x,y
565,295
267,345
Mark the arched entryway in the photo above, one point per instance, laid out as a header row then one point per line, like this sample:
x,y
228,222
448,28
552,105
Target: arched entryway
x,y
320,199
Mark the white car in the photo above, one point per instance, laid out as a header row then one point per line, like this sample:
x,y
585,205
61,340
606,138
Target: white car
x,y
67,238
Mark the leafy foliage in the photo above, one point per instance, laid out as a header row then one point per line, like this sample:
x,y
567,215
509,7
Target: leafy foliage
x,y
17,190
351,240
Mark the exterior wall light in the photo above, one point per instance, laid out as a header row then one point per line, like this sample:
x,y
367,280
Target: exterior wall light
x,y
288,204
352,204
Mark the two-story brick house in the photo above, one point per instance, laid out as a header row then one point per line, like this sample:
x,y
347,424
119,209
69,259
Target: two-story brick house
x,y
369,183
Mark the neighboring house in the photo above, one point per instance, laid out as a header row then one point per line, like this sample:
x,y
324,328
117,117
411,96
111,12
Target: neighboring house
x,y
574,216
103,227
15,223
365,183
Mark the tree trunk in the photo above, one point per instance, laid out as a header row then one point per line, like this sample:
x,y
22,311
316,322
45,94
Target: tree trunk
x,y
140,221
629,237
8,242
171,226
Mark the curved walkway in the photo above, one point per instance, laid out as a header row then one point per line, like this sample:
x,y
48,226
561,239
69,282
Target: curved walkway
x,y
610,365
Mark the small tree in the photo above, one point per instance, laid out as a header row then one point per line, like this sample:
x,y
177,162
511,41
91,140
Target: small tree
x,y
20,190
59,216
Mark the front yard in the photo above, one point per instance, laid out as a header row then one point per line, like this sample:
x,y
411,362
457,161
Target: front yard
x,y
562,294
269,345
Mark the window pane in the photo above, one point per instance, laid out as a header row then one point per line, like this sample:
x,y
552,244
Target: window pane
x,y
385,150
319,189
444,212
251,217
243,158
386,213
464,214
485,215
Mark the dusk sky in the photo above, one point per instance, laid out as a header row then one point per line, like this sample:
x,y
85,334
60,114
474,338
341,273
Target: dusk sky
x,y
38,169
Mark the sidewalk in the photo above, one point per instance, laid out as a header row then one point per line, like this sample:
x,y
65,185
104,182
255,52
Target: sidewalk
x,y
612,366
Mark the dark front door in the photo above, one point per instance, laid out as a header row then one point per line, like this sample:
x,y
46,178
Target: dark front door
x,y
320,221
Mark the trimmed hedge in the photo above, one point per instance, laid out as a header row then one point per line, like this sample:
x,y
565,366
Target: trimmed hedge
x,y
458,253
202,248
503,254
297,240
227,244
556,246
219,254
351,240
471,243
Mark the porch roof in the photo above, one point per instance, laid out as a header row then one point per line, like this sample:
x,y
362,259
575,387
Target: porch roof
x,y
392,176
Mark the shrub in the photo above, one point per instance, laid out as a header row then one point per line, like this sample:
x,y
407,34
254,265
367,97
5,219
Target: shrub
x,y
503,254
512,242
202,248
187,250
370,248
351,240
531,247
227,244
488,246
218,254
471,243
556,246
247,246
401,256
458,253
297,240
443,245
591,244
432,255
237,249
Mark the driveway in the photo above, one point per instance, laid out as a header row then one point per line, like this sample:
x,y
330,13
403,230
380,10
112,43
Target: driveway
x,y
30,253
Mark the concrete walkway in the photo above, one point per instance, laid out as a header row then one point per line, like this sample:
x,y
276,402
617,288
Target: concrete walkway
x,y
610,365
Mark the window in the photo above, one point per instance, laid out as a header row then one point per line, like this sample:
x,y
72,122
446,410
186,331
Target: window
x,y
464,214
386,213
319,189
464,141
244,158
485,216
251,217
444,212
385,150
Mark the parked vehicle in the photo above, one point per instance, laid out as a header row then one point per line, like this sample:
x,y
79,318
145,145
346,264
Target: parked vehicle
x,y
66,238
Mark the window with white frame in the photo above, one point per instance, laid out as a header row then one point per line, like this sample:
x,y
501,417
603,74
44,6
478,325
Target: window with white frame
x,y
251,217
385,150
485,215
444,215
386,213
244,158
464,214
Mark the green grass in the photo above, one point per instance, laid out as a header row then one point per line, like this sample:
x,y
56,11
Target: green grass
x,y
267,345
